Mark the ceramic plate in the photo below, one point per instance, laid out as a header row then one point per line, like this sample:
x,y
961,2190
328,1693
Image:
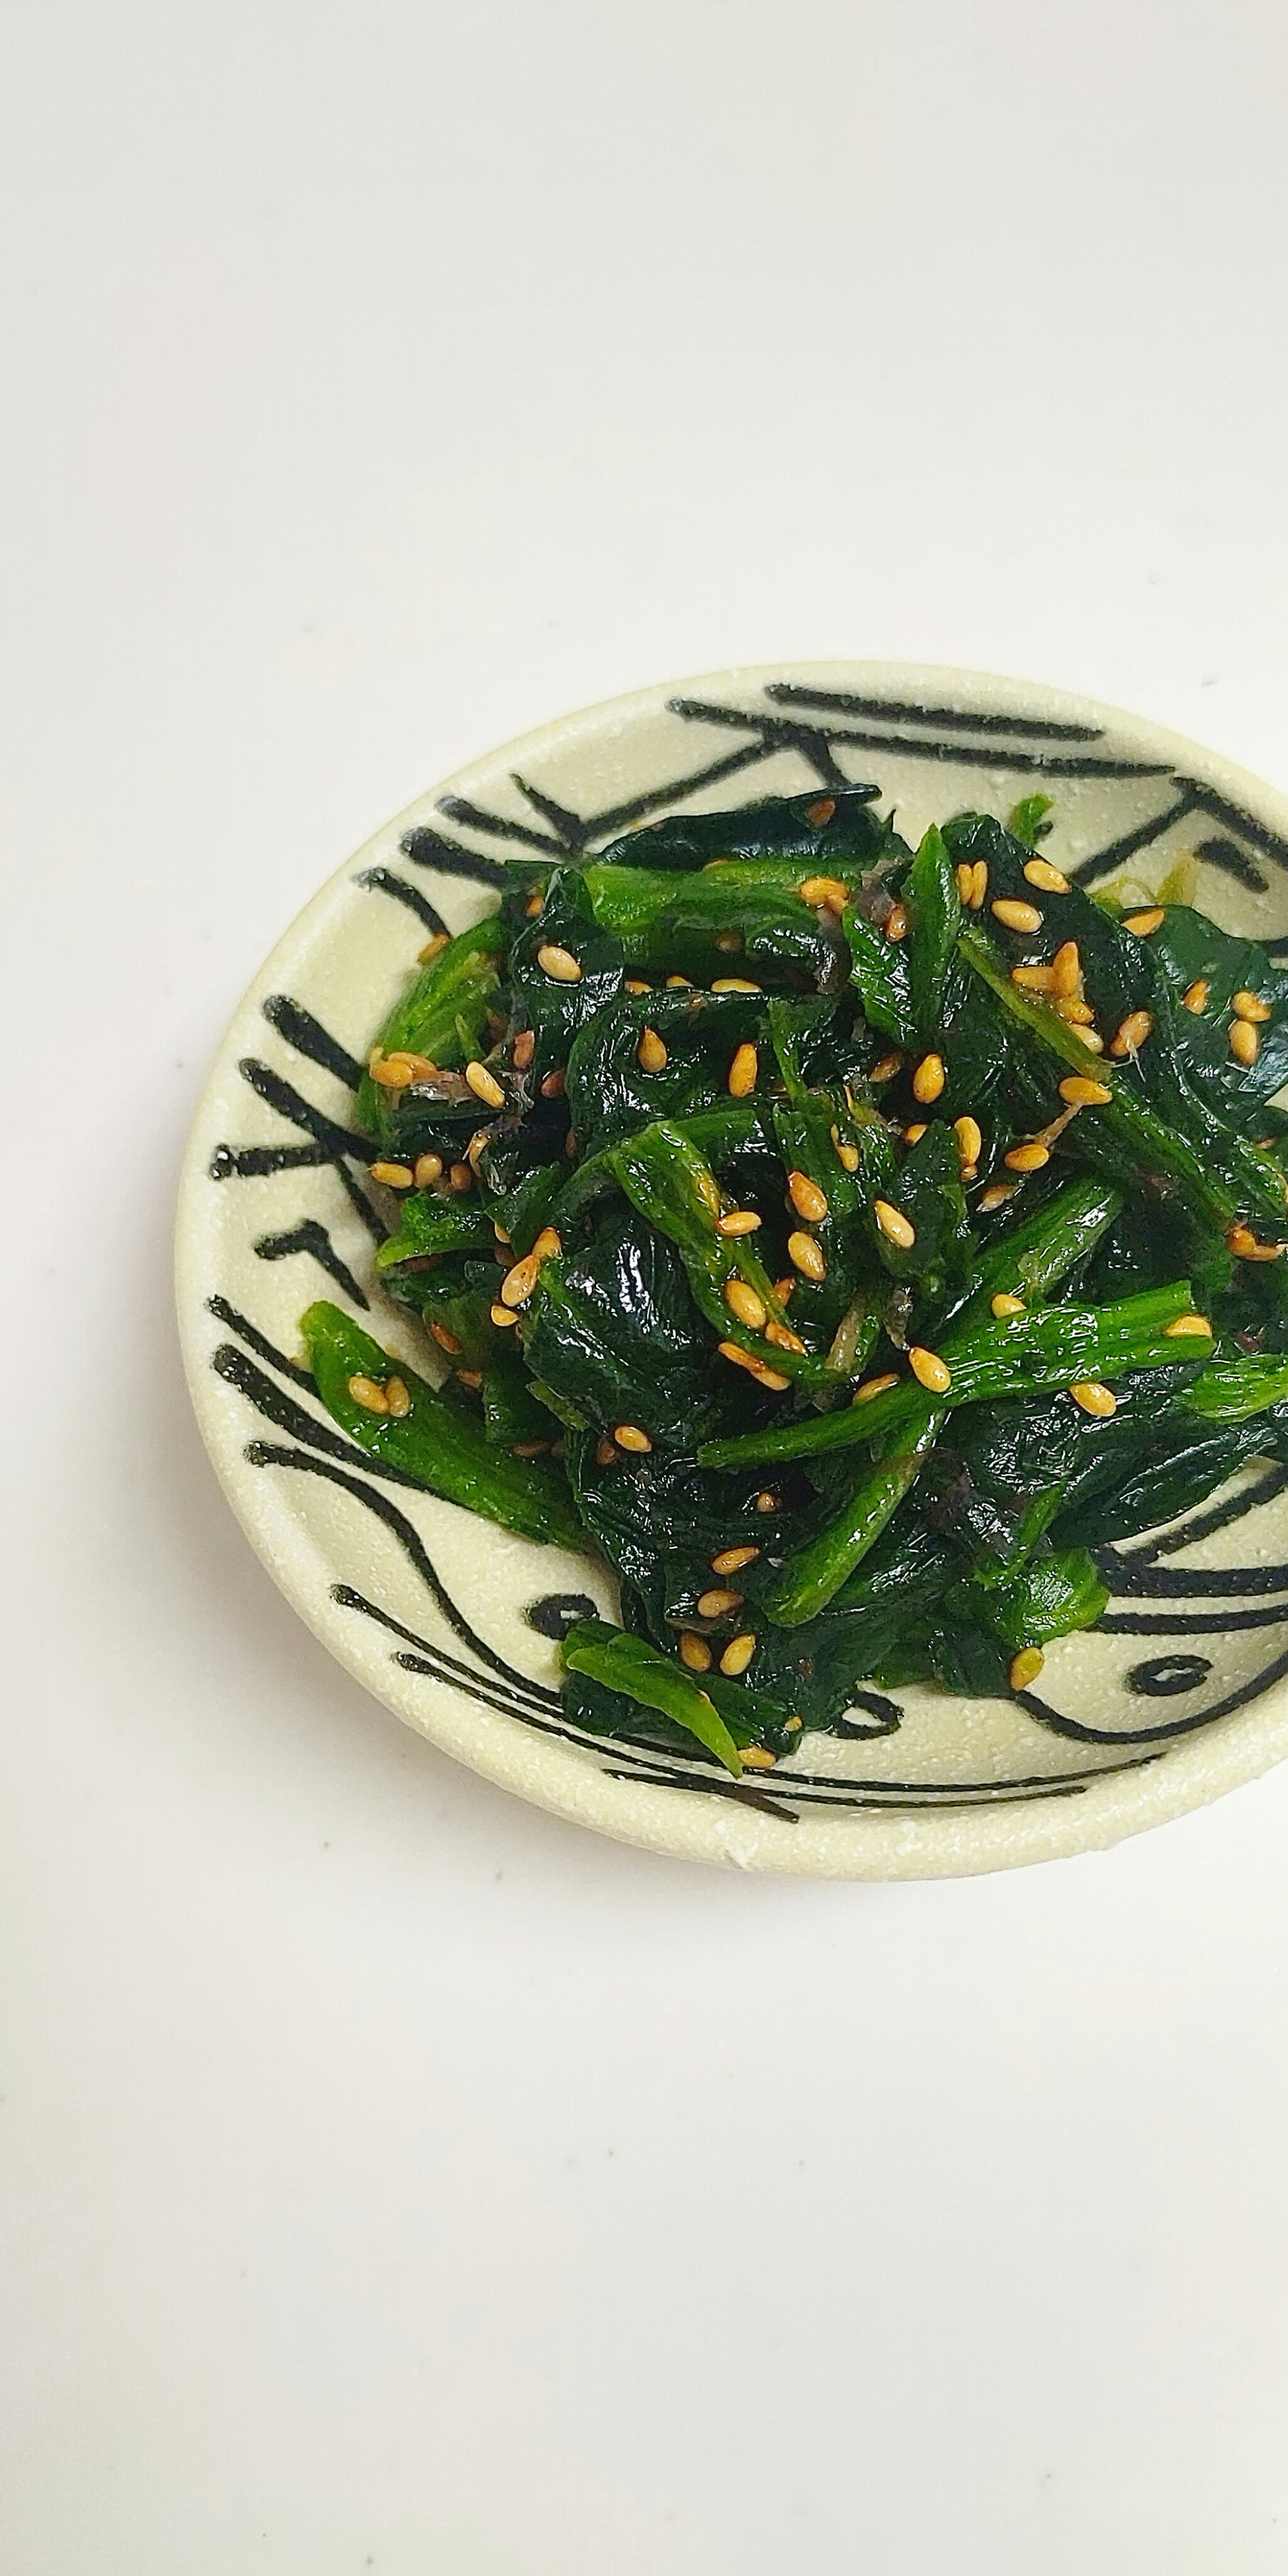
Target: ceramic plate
x,y
1178,1695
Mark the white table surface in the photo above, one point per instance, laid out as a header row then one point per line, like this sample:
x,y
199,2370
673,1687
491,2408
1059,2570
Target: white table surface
x,y
397,2178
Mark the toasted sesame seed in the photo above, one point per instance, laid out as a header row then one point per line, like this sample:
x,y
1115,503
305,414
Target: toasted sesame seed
x,y
970,1141
929,1079
743,1072
965,876
1066,966
743,1302
632,984
886,1067
1194,998
365,1392
718,1602
396,1176
996,1195
519,1282
1091,1039
1241,1241
1094,1398
392,1072
782,1336
529,1448
534,903
894,1225
766,1377
806,1197
559,964
1049,880
897,922
755,1757
397,1399
807,1256
735,984
628,1435
651,1052
695,1653
929,1370
548,1245
766,1502
1027,1158
472,1378
433,948
605,1454
474,1149
1082,1093
1025,1667
446,1340
1003,1304
1016,916
485,1086
1245,1045
1141,924
523,1050
874,1386
503,1314
978,885
1132,1033
1185,1325
1034,979
554,1083
821,811
731,1560
678,984
427,1168
827,892
460,1178
738,1221
846,1155
735,1659
913,1135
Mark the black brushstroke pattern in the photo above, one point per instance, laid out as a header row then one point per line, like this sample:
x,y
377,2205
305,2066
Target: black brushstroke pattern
x,y
383,881
1079,1734
282,1411
308,1037
1205,1524
443,1663
1168,1675
460,810
780,734
260,1343
310,1237
255,1162
1234,862
427,848
788,693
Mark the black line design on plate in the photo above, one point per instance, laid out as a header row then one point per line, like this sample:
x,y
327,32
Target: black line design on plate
x,y
331,1143
310,1236
1193,797
1076,1733
1188,1623
1205,1524
739,1793
260,1343
556,1612
460,810
780,734
383,881
1166,1675
308,1037
286,1415
573,833
1178,1582
427,848
439,1660
787,693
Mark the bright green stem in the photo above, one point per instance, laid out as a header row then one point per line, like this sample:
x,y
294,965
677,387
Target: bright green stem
x,y
1230,1390
630,1665
810,1579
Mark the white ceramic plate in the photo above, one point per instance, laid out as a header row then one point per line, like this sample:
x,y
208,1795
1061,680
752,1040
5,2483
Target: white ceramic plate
x,y
1179,1695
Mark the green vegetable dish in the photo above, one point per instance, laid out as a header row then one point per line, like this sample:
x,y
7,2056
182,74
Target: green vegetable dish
x,y
843,1242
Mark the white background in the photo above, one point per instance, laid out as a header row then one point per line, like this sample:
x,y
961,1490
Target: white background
x,y
397,2178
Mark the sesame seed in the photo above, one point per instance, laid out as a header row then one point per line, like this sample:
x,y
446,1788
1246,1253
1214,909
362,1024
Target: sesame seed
x,y
559,964
1040,873
1034,979
731,1560
929,1370
1027,1158
1003,1304
651,1052
529,1448
365,1392
929,1079
519,1282
735,984
1241,1241
632,984
554,1083
820,812
548,1245
996,1195
1141,924
628,1435
1066,967
1094,1398
807,1256
913,1135
485,1086
896,922
460,1178
695,1653
755,1757
397,1399
965,875
446,1340
605,1454
1092,1039
427,1168
743,1302
786,1288
1194,998
738,1221
846,1155
894,1224
1245,1045
806,1197
472,1378
1132,1033
765,1377
782,1336
978,885
392,1072
718,1602
678,984
474,1149
1025,1667
433,948
396,1176
503,1315
534,903
524,1049
735,1659
827,892
874,1386
766,1502
1016,916
970,1142
743,1072
886,1067
1185,1325
1082,1093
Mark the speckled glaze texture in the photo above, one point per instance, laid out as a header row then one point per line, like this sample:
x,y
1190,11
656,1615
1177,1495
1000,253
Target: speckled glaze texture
x,y
1180,1693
